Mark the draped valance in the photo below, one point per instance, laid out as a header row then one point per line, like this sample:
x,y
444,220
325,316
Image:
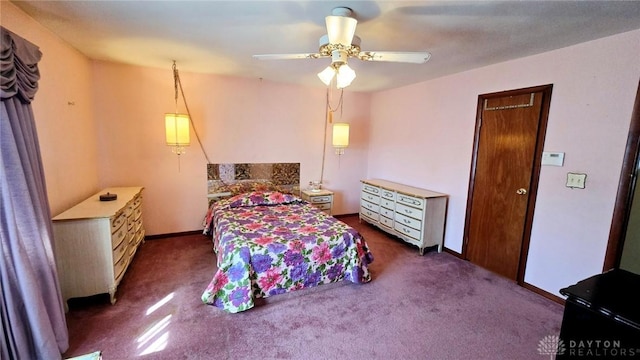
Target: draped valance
x,y
31,308
19,72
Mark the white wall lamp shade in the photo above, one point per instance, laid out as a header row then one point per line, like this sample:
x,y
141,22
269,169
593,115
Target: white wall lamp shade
x,y
340,137
177,131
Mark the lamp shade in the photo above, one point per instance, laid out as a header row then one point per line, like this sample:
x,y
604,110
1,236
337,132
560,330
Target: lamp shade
x,y
327,74
340,135
177,129
345,76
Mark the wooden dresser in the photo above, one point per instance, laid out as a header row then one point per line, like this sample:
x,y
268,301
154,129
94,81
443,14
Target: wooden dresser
x,y
415,215
95,241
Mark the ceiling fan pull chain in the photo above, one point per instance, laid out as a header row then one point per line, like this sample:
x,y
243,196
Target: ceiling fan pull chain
x,y
340,102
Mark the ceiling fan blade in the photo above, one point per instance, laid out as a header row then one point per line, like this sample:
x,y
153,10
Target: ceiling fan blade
x,y
341,29
287,56
395,56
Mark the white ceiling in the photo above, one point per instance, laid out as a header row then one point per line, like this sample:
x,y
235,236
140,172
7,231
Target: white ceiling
x,y
220,37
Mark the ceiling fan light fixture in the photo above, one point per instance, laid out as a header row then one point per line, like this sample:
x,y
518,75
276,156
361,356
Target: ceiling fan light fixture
x,y
327,74
345,76
340,43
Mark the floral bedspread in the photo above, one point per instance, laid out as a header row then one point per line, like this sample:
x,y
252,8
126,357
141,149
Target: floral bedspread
x,y
268,243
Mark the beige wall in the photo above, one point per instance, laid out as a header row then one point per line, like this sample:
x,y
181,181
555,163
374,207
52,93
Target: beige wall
x,y
594,87
238,120
67,133
114,134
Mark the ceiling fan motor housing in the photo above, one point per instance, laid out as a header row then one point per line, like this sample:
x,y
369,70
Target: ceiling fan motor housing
x,y
327,49
339,57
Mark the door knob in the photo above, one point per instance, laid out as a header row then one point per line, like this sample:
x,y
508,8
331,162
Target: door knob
x,y
521,191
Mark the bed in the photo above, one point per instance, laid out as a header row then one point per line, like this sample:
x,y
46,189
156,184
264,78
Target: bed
x,y
269,242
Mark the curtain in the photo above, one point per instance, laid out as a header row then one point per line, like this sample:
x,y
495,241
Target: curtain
x,y
31,307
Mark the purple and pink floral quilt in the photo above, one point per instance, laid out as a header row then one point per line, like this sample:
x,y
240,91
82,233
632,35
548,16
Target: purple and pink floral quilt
x,y
269,243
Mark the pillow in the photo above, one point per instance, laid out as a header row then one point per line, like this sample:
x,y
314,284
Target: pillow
x,y
256,198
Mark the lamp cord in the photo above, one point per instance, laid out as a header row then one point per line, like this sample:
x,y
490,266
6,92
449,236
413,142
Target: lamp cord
x,y
328,118
325,121
178,83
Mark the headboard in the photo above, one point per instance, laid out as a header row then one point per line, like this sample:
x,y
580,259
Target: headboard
x,y
225,180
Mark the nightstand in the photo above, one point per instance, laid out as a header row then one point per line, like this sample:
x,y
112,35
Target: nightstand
x,y
322,199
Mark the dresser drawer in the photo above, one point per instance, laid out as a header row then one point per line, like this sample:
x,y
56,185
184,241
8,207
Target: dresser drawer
x,y
388,194
410,201
130,222
137,212
119,251
139,237
386,212
408,231
370,197
118,237
118,269
118,221
370,206
368,213
325,206
132,251
411,222
371,189
408,211
137,202
129,208
131,236
138,225
320,199
386,222
389,204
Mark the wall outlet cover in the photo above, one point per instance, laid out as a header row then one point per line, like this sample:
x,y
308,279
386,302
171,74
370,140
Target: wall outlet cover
x,y
576,180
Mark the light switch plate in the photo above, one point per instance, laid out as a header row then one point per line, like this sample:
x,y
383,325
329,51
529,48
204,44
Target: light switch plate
x,y
576,180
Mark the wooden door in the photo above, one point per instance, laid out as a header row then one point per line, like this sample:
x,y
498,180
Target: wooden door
x,y
508,147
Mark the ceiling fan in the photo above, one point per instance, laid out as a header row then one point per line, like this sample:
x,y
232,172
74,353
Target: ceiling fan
x,y
340,43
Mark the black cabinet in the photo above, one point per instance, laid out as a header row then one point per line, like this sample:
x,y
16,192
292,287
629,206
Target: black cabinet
x,y
602,318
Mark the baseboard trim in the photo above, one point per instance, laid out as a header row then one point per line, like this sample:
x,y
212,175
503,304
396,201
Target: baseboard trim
x,y
176,234
525,285
449,251
345,215
544,293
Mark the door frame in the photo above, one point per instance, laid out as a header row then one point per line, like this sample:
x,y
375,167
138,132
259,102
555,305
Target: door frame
x,y
535,171
626,189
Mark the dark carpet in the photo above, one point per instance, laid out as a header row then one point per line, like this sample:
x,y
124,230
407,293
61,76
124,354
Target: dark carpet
x,y
434,306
